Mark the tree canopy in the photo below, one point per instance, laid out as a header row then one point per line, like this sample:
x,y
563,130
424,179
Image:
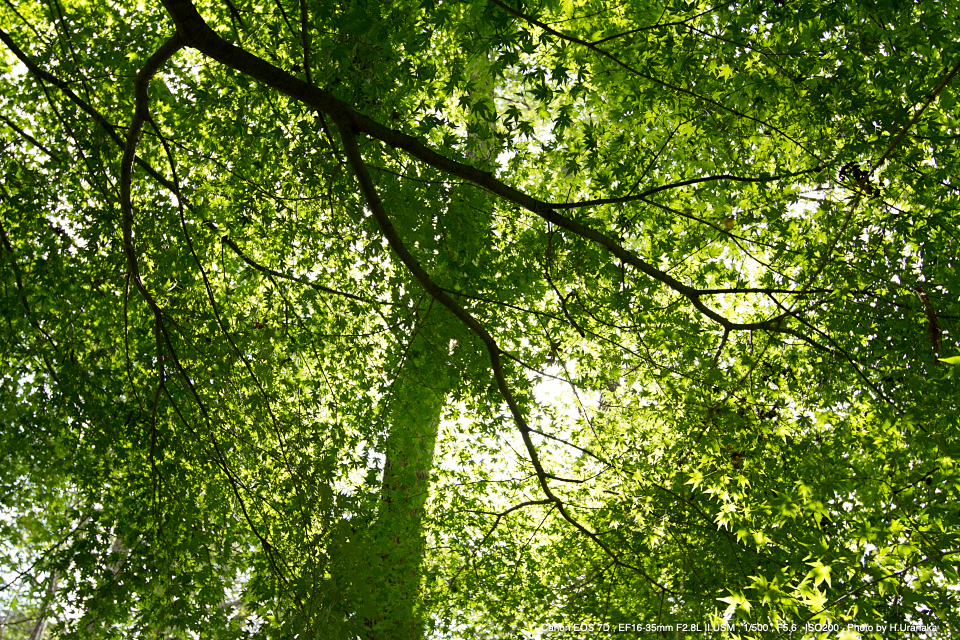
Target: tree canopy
x,y
394,319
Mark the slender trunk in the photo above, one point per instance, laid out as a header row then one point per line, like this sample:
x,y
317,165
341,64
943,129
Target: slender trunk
x,y
40,628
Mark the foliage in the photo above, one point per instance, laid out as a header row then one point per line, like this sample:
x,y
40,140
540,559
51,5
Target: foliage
x,y
660,300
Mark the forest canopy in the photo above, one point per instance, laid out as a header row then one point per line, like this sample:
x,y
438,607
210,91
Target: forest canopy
x,y
408,319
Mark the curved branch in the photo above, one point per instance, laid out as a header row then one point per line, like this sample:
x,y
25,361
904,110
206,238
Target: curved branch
x,y
142,115
108,128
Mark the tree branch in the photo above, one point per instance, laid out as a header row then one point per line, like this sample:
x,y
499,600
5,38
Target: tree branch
x,y
676,185
930,98
319,287
606,54
142,115
196,33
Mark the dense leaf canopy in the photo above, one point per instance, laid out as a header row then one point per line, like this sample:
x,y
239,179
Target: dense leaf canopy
x,y
417,318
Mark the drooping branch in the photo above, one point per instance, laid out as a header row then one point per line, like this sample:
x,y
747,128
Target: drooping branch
x,y
348,139
141,116
111,131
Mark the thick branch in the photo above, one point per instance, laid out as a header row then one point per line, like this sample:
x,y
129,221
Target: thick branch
x,y
196,33
141,115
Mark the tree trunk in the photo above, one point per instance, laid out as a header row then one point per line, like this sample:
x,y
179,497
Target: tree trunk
x,y
380,565
391,568
414,419
40,629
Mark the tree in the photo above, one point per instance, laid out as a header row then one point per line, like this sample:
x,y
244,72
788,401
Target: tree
x,y
405,319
